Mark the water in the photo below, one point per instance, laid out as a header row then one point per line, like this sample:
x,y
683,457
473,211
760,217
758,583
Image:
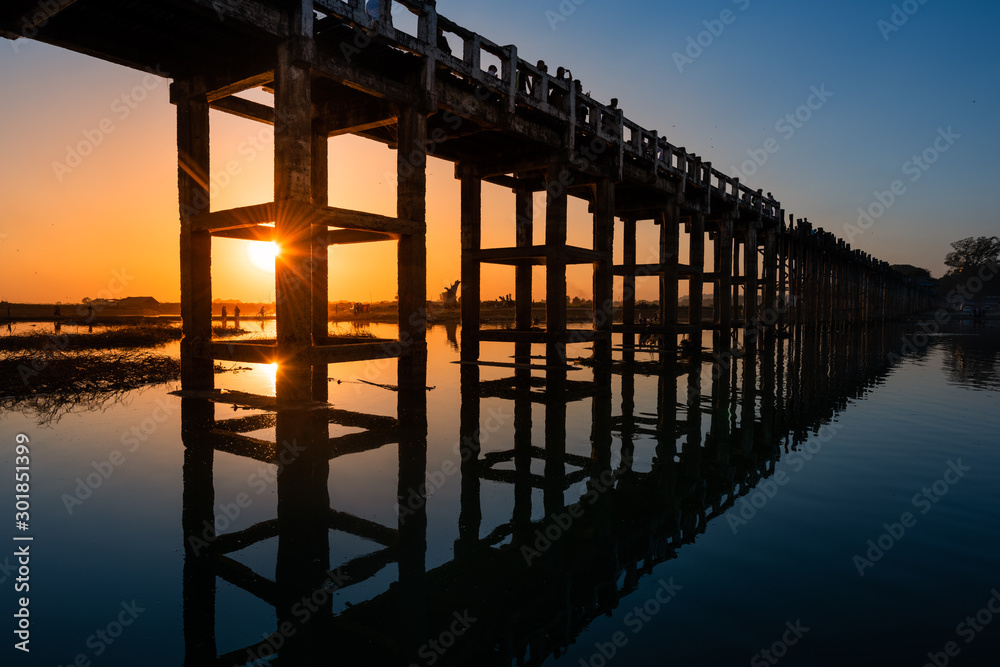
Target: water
x,y
747,532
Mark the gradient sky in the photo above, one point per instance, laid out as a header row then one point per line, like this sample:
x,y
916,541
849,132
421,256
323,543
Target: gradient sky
x,y
109,224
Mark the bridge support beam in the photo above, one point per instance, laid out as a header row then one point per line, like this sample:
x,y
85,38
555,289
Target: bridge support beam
x,y
524,233
472,234
556,259
196,246
696,283
724,275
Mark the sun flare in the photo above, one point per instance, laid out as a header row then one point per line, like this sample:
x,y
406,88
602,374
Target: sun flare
x,y
263,254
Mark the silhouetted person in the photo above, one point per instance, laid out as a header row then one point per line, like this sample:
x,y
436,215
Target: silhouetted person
x,y
90,313
261,312
57,313
536,84
492,71
224,313
236,315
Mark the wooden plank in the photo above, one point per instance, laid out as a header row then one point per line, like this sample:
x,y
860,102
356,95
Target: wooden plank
x,y
242,108
332,354
235,218
257,214
256,233
503,364
349,236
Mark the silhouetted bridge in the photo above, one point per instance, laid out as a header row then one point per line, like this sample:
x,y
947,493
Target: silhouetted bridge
x,y
334,69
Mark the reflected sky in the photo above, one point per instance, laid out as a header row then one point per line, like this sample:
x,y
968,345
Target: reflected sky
x,y
742,489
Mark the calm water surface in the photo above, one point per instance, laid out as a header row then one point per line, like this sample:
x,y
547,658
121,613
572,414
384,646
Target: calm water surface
x,y
830,503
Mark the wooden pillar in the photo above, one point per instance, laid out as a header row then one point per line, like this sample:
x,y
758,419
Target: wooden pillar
x,y
555,265
196,247
293,185
669,220
628,282
769,306
604,269
411,204
320,247
724,269
472,234
750,275
320,262
781,296
696,285
524,202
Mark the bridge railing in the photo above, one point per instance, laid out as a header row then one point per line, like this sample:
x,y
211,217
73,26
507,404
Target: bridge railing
x,y
520,83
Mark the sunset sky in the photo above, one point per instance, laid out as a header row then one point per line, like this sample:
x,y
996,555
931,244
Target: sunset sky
x,y
887,83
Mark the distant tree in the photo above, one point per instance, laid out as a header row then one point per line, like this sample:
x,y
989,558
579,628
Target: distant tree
x,y
85,299
971,253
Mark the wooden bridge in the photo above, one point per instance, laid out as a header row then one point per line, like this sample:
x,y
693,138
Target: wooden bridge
x,y
335,69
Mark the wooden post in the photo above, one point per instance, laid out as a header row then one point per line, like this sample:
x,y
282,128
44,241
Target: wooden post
x,y
696,284
196,247
750,275
724,270
411,204
472,232
669,219
628,288
524,221
293,184
781,297
769,306
555,265
604,234
320,262
320,247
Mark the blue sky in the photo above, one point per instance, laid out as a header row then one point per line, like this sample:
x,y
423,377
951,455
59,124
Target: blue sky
x,y
888,96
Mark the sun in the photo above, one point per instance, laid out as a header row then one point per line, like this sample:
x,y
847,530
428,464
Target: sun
x,y
262,254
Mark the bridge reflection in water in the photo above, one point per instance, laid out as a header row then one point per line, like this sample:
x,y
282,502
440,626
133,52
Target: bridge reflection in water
x,y
722,422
